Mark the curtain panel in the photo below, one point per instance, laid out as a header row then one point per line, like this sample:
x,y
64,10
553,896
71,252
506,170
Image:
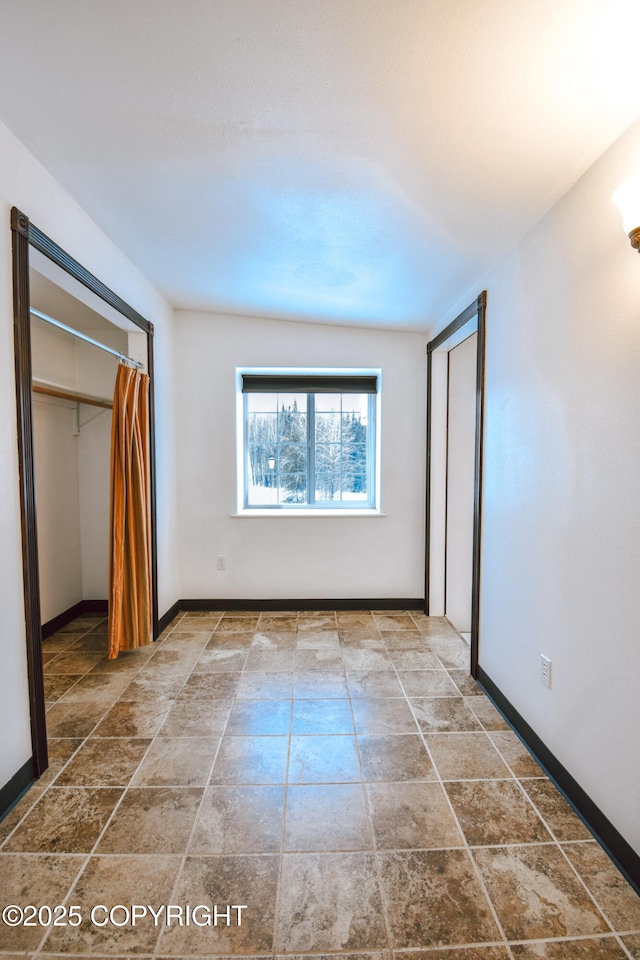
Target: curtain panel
x,y
130,605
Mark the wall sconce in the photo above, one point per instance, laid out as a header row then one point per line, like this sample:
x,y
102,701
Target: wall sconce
x,y
627,199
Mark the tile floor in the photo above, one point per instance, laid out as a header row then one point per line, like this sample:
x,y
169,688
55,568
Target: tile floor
x,y
339,774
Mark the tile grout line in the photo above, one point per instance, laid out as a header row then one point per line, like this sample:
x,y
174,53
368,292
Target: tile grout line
x,y
466,845
185,854
93,851
372,835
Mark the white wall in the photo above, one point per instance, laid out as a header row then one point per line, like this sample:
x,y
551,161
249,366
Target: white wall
x,y
561,509
295,557
26,184
57,495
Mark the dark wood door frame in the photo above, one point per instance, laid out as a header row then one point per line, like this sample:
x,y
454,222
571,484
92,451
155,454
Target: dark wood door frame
x,y
25,235
475,309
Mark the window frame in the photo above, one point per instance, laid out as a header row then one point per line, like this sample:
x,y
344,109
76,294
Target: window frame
x,y
312,377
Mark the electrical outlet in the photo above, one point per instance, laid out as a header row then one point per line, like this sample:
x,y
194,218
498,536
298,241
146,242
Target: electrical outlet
x,y
221,563
545,671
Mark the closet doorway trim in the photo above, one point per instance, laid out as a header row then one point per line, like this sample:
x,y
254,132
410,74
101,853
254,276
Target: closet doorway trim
x,y
446,339
25,235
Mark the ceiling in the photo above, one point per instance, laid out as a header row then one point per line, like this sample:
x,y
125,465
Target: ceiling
x,y
350,161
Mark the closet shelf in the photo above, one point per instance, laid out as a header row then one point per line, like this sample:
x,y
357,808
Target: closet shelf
x,y
64,393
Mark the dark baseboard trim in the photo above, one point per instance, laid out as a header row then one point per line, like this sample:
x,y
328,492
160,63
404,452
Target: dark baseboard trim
x,y
369,603
83,606
16,787
166,618
610,839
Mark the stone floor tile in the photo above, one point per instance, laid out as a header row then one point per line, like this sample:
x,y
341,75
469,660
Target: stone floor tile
x,y
272,638
37,880
238,640
317,684
74,719
154,820
434,898
383,716
373,683
632,943
495,811
394,621
427,683
355,659
146,687
196,718
422,659
94,686
251,760
109,881
104,763
395,758
486,713
467,686
329,902
177,761
327,816
265,686
323,759
515,754
442,714
326,716
270,661
466,756
65,819
57,684
253,718
239,819
563,822
408,816
249,881
204,686
535,893
617,899
230,624
225,660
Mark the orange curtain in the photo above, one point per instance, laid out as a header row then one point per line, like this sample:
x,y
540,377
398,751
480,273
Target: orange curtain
x,y
130,607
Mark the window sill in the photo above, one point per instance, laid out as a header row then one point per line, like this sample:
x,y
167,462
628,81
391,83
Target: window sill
x,y
305,514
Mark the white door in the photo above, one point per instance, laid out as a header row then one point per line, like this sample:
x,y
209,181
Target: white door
x,y
461,428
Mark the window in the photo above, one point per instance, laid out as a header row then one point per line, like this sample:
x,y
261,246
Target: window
x,y
309,440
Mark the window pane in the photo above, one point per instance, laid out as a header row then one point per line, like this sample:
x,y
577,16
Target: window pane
x,y
328,402
328,471
292,472
327,427
293,488
354,487
261,475
354,472
257,402
356,403
354,428
292,416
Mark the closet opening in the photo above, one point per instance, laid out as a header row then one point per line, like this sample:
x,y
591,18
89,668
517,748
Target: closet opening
x,y
455,402
72,334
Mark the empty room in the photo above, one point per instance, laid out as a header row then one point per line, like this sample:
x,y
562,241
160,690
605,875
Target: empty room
x,y
319,452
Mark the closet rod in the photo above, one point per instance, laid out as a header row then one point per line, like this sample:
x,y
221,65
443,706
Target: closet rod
x,y
83,336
